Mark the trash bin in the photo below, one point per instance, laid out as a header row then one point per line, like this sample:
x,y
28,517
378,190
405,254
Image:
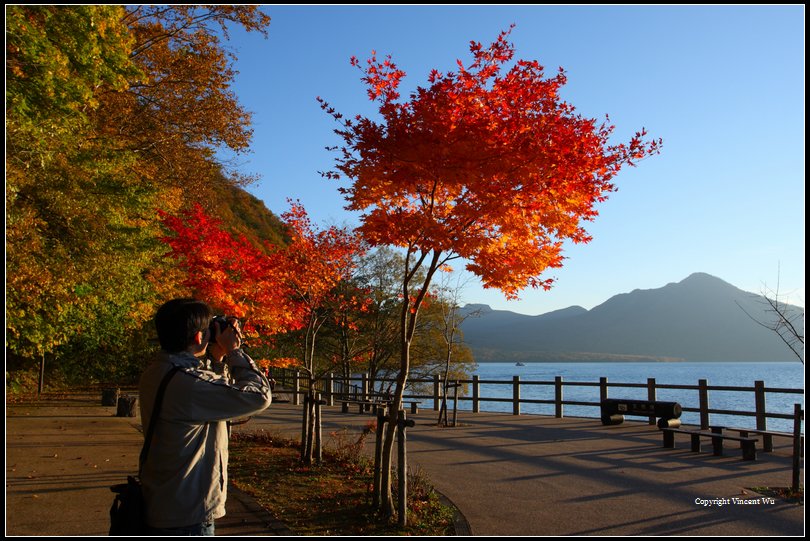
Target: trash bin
x,y
109,397
127,406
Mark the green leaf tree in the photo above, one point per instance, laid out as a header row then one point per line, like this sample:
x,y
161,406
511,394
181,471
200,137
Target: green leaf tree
x,y
99,135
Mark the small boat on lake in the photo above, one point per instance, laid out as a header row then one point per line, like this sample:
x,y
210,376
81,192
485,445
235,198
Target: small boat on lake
x,y
519,364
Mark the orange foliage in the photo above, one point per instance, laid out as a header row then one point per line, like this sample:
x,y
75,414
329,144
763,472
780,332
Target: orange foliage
x,y
315,262
484,164
281,362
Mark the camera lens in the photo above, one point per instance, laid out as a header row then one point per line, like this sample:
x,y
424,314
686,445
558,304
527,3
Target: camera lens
x,y
221,323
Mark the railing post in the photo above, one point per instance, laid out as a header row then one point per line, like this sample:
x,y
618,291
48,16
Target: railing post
x,y
475,406
329,391
558,397
703,398
296,388
603,389
456,385
364,387
798,415
437,390
651,395
516,395
759,404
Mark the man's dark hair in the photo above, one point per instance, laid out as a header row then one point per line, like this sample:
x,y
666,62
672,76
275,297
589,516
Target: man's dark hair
x,y
178,320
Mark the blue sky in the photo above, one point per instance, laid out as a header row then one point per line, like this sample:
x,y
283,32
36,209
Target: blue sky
x,y
722,86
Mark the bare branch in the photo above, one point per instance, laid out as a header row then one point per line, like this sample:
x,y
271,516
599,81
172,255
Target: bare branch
x,y
783,322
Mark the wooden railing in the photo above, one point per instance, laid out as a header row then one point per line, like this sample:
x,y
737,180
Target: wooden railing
x,y
428,390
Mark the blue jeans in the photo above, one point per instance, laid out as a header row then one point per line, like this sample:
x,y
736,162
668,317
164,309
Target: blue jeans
x,y
204,528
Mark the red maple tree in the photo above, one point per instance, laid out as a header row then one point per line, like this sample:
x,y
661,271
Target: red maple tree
x,y
487,164
229,272
275,290
315,264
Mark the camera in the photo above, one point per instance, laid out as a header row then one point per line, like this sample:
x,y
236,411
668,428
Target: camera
x,y
220,322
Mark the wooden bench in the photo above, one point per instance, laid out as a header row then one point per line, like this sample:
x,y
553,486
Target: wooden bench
x,y
345,405
414,405
373,405
363,405
748,445
767,437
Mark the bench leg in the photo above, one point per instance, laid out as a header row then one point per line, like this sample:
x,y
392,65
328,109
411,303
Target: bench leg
x,y
749,450
767,443
345,407
669,439
717,443
414,409
695,442
743,434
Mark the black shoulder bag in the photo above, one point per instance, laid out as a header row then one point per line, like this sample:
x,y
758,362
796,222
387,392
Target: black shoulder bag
x,y
127,510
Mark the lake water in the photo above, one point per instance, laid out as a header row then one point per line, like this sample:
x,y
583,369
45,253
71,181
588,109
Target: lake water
x,y
774,375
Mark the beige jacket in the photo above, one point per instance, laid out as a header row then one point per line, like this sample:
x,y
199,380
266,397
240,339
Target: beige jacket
x,y
185,476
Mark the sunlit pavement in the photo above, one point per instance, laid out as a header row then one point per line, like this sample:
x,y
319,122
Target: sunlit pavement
x,y
63,456
508,475
538,475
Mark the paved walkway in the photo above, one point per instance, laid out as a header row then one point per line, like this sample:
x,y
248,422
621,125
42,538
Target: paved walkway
x,y
63,455
508,475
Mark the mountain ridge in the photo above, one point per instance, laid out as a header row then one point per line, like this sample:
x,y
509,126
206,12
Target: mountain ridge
x,y
700,318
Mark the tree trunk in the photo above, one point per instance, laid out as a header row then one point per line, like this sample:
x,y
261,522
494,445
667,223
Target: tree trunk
x,y
387,499
41,382
408,317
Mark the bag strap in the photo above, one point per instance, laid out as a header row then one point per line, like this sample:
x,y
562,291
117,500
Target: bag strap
x,y
155,412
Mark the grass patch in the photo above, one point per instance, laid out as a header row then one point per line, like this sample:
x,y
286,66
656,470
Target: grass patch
x,y
331,498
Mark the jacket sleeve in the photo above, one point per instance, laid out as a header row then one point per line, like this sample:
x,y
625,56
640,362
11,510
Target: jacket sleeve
x,y
209,397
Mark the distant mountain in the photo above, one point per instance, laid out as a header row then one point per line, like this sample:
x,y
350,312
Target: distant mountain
x,y
701,318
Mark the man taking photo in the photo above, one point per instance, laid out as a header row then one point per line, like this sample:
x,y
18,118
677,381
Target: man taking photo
x,y
185,475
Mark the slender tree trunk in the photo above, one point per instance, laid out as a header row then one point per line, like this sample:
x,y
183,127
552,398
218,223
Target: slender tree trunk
x,y
41,382
308,439
390,437
304,428
408,317
444,407
310,424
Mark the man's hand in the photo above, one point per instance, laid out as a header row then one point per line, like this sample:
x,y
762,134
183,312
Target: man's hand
x,y
231,338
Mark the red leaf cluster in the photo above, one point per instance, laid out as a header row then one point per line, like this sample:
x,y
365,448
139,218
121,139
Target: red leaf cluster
x,y
486,163
274,290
